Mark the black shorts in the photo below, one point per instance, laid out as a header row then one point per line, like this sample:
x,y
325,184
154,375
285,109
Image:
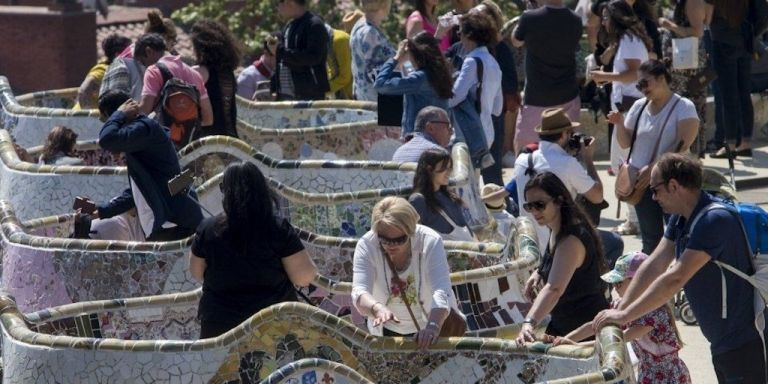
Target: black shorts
x,y
744,365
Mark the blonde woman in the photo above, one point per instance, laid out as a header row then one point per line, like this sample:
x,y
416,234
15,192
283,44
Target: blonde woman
x,y
396,242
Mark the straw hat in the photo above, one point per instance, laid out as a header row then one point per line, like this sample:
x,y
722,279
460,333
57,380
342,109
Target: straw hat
x,y
494,204
554,120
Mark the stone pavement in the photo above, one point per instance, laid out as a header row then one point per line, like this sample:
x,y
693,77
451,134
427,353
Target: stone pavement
x,y
751,176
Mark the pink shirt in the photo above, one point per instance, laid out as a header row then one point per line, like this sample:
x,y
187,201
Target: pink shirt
x,y
153,78
127,53
445,43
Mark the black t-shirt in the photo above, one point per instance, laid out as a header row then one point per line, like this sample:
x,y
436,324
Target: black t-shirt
x,y
584,297
551,37
238,285
506,59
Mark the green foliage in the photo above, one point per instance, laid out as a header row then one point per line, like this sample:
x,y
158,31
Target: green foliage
x,y
252,22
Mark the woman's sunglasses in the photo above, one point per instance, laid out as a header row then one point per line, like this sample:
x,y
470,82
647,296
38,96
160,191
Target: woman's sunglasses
x,y
536,205
387,241
642,84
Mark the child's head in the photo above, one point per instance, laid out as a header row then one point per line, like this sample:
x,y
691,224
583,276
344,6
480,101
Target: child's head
x,y
624,270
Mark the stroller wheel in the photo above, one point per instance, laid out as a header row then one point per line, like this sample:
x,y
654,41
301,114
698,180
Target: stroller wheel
x,y
686,314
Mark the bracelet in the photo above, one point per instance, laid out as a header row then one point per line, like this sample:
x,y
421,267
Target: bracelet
x,y
433,324
529,320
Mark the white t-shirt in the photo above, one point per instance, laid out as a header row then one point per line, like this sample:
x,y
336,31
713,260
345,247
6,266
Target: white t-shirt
x,y
551,157
630,47
649,127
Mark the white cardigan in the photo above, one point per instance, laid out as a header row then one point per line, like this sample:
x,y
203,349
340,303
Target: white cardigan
x,y
370,271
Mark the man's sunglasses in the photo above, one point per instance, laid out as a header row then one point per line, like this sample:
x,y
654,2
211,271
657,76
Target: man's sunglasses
x,y
387,241
536,205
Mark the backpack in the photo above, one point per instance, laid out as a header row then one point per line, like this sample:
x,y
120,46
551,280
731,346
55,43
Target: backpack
x,y
754,225
178,107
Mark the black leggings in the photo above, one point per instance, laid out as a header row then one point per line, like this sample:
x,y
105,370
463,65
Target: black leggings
x,y
744,365
651,220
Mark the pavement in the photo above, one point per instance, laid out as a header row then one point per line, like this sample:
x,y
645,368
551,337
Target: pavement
x,y
751,178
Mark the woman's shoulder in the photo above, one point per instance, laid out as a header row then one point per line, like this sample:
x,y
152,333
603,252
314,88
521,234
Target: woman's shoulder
x,y
415,16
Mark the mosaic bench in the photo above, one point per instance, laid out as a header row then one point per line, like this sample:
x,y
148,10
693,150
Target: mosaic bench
x,y
275,345
303,114
333,197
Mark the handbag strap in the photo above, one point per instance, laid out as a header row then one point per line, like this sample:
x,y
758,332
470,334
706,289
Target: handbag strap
x,y
401,288
637,125
479,93
666,120
451,222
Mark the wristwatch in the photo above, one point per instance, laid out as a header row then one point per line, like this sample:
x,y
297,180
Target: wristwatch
x,y
529,320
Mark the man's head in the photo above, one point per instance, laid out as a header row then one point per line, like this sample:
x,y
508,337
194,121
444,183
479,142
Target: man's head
x,y
556,127
435,123
675,180
291,9
149,49
110,101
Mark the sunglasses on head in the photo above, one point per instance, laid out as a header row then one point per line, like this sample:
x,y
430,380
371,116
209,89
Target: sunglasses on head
x,y
388,241
536,205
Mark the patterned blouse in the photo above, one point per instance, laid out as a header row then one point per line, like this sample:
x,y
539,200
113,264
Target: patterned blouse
x,y
657,350
370,49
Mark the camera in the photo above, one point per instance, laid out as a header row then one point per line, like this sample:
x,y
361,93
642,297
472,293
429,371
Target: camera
x,y
579,141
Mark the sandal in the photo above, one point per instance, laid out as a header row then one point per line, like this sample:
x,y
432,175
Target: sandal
x,y
626,229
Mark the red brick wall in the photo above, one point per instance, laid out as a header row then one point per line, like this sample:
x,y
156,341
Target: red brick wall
x,y
42,49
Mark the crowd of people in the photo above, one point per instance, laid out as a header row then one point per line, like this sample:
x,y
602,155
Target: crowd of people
x,y
458,77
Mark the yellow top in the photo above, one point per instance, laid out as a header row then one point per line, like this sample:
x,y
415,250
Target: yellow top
x,y
339,66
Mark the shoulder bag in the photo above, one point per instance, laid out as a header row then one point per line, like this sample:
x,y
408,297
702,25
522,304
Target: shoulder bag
x,y
632,182
454,324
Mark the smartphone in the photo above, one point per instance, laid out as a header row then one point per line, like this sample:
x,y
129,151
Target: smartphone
x,y
84,204
181,182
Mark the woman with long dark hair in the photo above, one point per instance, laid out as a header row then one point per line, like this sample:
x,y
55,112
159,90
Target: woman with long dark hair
x,y
248,258
568,280
59,148
438,207
429,84
217,57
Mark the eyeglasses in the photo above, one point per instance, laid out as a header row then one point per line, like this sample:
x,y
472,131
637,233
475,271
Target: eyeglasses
x,y
537,205
392,242
653,187
446,123
642,84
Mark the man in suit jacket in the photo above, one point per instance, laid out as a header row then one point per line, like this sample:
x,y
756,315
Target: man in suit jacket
x,y
152,161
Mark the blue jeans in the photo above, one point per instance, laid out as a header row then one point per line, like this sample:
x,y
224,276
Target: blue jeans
x,y
613,247
759,82
733,65
651,220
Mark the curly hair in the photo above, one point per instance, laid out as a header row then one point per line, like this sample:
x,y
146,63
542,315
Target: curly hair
x,y
425,51
623,20
479,27
429,161
572,217
214,45
60,140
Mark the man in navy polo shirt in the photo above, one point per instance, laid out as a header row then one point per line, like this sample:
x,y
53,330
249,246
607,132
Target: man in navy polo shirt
x,y
737,350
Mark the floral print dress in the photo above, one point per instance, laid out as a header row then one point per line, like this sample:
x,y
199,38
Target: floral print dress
x,y
658,350
370,49
395,303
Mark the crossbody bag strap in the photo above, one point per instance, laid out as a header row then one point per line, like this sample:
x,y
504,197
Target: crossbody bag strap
x,y
663,126
401,288
479,94
530,171
451,222
634,133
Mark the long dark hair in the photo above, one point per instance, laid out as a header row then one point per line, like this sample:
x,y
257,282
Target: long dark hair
x,y
249,206
60,140
214,45
623,20
421,6
422,180
572,217
425,51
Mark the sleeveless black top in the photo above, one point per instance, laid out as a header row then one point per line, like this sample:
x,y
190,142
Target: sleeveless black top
x,y
221,87
585,295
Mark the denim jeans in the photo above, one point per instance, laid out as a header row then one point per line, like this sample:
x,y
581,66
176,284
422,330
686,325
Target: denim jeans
x,y
613,247
759,82
733,65
651,220
492,174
